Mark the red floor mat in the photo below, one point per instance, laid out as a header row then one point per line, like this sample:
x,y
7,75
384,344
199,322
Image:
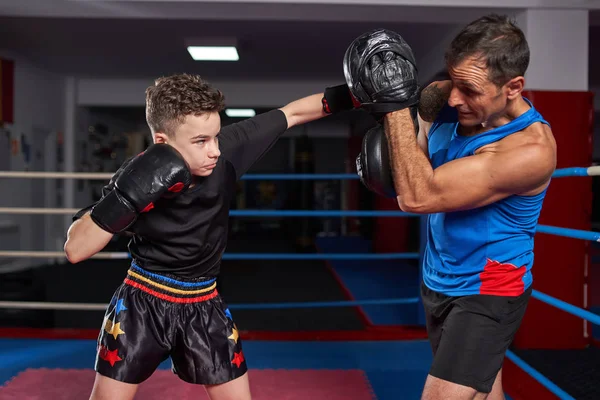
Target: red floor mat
x,y
71,384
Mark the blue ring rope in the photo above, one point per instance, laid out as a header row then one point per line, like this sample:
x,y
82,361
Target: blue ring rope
x,y
547,383
320,256
566,172
571,309
553,230
319,213
572,233
252,306
559,173
301,177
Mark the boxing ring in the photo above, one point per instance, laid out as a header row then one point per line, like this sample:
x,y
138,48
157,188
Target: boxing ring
x,y
386,363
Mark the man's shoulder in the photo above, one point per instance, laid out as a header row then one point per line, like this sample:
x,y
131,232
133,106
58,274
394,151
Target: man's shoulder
x,y
538,128
538,133
532,148
537,136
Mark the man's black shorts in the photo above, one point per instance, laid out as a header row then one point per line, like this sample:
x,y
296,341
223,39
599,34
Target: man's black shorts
x,y
469,335
152,317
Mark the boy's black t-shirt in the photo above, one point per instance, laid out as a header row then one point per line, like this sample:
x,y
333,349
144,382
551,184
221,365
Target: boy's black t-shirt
x,y
187,235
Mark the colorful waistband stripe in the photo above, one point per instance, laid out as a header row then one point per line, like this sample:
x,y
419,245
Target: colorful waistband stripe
x,y
171,298
170,289
167,288
167,280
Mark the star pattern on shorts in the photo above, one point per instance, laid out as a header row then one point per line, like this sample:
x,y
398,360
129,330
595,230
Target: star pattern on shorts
x,y
228,313
238,359
113,329
234,335
109,355
120,306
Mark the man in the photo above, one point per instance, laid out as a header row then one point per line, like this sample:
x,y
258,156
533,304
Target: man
x,y
479,167
173,199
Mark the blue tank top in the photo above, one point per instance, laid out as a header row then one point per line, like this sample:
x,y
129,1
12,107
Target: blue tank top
x,y
487,250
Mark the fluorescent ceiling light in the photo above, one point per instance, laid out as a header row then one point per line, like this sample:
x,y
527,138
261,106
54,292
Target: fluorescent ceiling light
x,y
240,112
213,53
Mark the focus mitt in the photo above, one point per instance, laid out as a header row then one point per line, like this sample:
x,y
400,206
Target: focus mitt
x,y
373,163
381,72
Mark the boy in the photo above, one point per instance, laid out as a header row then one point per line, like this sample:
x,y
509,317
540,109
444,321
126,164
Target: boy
x,y
174,200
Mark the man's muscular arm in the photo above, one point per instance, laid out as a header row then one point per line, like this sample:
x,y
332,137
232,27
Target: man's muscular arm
x,y
433,98
411,168
464,183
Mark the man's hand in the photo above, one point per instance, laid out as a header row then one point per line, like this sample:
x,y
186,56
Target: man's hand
x,y
381,72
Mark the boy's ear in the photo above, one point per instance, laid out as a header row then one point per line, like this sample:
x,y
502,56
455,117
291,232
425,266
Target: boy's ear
x,y
160,137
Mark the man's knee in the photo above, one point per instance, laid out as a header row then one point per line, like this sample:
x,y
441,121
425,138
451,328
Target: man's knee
x,y
437,389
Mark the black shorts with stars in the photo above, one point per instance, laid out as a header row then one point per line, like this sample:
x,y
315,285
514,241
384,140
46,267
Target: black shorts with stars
x,y
152,317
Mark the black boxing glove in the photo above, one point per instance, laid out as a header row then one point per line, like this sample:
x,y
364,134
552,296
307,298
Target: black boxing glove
x,y
373,163
381,72
337,99
158,172
111,184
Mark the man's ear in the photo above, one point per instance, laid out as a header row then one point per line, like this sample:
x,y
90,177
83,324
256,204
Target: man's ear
x,y
515,86
160,137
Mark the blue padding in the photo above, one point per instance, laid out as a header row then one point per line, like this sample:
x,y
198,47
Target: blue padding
x,y
16,355
384,280
376,280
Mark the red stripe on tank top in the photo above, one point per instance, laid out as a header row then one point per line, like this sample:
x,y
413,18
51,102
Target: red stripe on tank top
x,y
499,279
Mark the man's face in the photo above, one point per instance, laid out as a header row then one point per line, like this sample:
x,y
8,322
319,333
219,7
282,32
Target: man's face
x,y
474,96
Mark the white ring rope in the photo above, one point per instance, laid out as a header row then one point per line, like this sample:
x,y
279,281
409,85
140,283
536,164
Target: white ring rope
x,y
37,210
38,305
60,254
52,175
591,171
594,171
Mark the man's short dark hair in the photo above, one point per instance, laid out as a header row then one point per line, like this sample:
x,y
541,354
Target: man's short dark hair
x,y
496,41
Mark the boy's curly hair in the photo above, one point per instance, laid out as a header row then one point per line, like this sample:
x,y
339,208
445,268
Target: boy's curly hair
x,y
174,97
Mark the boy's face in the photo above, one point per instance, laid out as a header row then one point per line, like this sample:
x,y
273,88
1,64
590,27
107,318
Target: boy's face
x,y
197,139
